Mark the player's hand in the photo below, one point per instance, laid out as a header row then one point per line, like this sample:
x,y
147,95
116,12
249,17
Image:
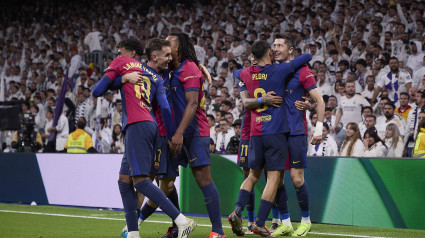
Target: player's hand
x,y
133,77
176,144
271,100
302,105
205,73
316,140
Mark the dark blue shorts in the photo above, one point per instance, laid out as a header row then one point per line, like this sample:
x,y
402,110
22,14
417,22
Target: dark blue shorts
x,y
269,151
163,165
140,138
297,151
243,154
195,151
124,166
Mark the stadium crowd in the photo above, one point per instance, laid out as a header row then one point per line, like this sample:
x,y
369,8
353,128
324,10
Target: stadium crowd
x,y
368,61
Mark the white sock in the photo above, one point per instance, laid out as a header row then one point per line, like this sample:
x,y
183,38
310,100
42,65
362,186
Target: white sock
x,y
180,220
306,220
250,223
133,234
140,221
275,220
287,222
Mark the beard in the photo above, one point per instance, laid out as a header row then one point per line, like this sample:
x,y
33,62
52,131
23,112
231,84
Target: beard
x,y
389,116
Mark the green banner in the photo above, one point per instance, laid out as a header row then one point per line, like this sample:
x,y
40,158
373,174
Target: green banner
x,y
362,192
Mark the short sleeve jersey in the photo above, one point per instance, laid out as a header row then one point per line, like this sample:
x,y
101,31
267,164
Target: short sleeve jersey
x,y
137,100
186,78
246,115
352,108
301,83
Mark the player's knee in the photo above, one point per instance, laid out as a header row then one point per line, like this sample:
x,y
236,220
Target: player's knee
x,y
298,181
125,187
124,178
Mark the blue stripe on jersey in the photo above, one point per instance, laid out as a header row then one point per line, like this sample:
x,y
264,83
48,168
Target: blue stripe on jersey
x,y
124,109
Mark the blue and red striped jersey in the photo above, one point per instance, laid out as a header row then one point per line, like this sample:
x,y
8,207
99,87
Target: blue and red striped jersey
x,y
260,80
186,78
301,83
137,100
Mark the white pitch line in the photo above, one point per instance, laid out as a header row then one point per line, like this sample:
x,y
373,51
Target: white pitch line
x,y
163,222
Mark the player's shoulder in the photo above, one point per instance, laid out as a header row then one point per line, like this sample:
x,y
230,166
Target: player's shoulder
x,y
150,73
189,69
359,96
306,73
237,73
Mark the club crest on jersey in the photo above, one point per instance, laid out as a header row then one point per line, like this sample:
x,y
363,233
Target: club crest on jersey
x,y
242,160
156,165
259,76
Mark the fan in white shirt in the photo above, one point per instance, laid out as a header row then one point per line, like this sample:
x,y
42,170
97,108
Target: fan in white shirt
x,y
370,87
352,145
394,141
350,106
388,118
224,136
324,87
328,147
373,145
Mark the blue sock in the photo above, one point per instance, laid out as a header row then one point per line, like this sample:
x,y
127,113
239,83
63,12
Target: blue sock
x,y
146,211
302,196
250,207
174,198
275,211
158,197
129,201
212,202
241,202
263,212
282,202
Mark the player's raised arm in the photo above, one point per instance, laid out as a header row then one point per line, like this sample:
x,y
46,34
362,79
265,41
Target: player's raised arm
x,y
102,86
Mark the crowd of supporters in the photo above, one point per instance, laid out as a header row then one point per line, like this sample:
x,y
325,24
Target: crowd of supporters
x,y
368,60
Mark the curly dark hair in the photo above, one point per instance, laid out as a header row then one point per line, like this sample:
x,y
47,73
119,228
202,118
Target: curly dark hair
x,y
186,49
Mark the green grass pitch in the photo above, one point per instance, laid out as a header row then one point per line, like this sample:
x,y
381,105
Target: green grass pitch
x,y
51,221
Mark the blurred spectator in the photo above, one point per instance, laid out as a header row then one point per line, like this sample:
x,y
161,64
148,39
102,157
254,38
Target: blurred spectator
x,y
352,145
224,136
373,145
404,108
394,141
62,132
104,135
117,145
79,141
419,150
233,145
327,147
389,117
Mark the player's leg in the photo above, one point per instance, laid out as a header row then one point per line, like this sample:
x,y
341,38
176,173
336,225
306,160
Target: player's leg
x,y
129,199
140,157
243,199
256,164
282,203
297,175
275,212
250,206
198,154
275,157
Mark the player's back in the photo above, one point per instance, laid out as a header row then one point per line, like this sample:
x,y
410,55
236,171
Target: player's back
x,y
259,81
137,99
300,83
246,114
186,78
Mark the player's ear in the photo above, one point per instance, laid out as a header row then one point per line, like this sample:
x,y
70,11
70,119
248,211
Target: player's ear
x,y
291,50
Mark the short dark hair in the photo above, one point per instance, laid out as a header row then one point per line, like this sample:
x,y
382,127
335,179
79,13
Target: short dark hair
x,y
289,39
390,104
131,44
81,123
404,93
260,48
155,44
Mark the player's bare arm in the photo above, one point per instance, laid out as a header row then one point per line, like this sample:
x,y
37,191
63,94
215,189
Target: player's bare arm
x,y
188,114
205,73
320,108
269,99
